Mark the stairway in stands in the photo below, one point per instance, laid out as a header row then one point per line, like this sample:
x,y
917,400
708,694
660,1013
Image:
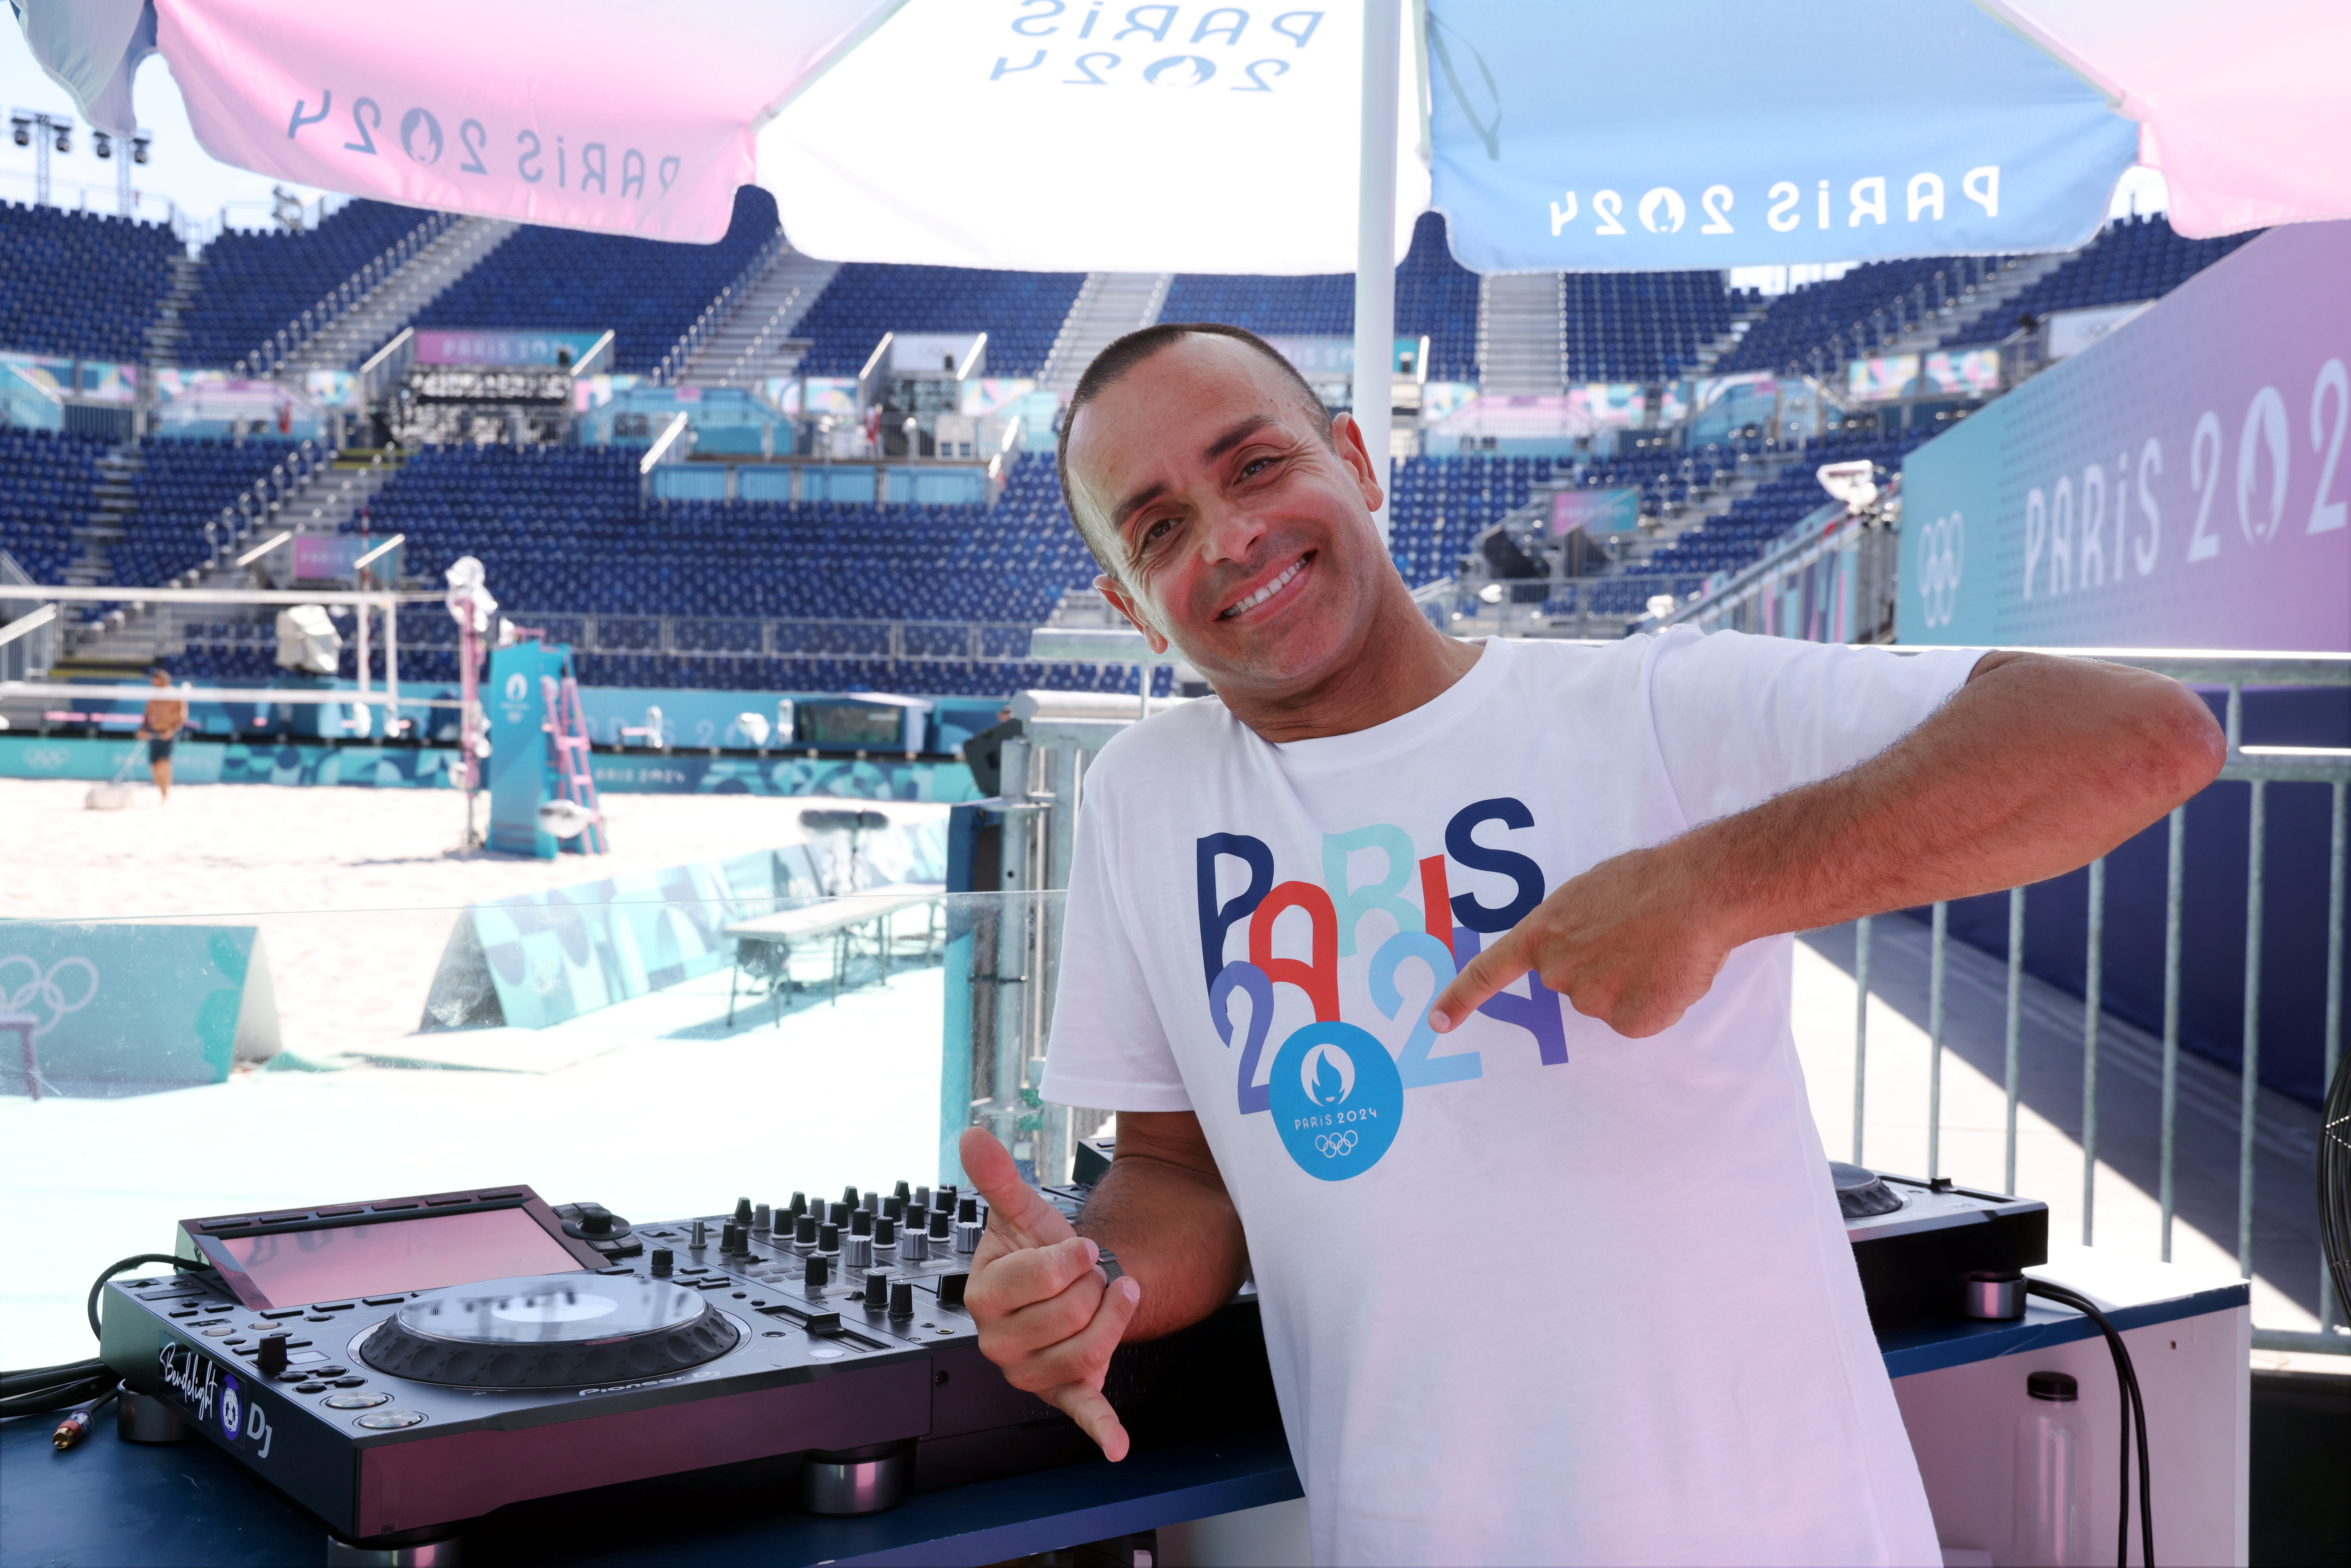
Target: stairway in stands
x,y
1522,332
129,638
1985,302
165,333
1109,307
376,319
755,339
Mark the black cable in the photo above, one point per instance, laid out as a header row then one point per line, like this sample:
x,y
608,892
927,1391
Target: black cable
x,y
14,1383
132,1262
2134,1418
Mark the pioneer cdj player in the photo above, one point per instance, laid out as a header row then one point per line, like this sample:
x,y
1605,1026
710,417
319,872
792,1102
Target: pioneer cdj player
x,y
404,1366
401,1366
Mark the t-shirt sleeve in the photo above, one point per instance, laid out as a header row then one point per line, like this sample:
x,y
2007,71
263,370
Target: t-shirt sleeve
x,y
1108,1049
1741,718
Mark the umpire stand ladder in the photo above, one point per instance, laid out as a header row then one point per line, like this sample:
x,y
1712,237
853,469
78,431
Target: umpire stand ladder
x,y
567,731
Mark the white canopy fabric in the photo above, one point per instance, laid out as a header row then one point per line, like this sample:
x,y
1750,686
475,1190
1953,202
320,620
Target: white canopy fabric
x,y
1061,134
1068,135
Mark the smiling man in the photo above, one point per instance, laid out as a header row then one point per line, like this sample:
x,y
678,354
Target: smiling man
x,y
1443,987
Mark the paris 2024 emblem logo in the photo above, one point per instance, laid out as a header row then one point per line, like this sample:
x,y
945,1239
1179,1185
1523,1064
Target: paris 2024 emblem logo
x,y
1337,1100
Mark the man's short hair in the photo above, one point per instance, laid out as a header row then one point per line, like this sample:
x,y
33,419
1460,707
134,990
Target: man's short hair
x,y
1111,366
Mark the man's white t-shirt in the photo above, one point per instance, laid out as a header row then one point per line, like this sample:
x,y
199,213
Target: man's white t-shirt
x,y
1533,1291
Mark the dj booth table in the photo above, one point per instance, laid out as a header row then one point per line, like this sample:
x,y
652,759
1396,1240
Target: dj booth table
x,y
1958,1383
187,1504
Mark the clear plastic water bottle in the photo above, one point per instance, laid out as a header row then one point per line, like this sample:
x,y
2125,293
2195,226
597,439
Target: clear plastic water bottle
x,y
2053,1482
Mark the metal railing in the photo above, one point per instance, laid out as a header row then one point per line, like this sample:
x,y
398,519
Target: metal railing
x,y
676,636
2259,767
715,314
1830,579
267,356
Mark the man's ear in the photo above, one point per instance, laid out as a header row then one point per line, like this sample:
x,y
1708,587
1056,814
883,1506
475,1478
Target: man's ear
x,y
1107,586
1347,440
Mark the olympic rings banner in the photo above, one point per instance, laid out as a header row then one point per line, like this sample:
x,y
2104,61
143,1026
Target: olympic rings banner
x,y
125,1008
2182,483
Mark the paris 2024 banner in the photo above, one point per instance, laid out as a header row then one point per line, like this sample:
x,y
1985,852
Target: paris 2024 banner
x,y
2183,484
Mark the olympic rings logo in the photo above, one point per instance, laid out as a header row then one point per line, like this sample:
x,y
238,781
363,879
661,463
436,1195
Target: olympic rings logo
x,y
46,758
51,989
1942,557
1330,1146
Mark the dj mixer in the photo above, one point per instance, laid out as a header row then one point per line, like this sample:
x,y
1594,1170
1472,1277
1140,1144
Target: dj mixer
x,y
404,1366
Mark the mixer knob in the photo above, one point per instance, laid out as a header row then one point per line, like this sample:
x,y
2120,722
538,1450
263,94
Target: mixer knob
x,y
877,1287
951,1288
848,1197
813,1275
967,1209
837,1213
966,1237
914,1246
743,1211
730,1240
901,1298
942,1226
885,1231
901,1192
269,1356
857,1253
664,1261
923,1198
804,1233
945,1198
828,1238
762,1218
595,1220
861,1223
699,1238
800,1204
893,1208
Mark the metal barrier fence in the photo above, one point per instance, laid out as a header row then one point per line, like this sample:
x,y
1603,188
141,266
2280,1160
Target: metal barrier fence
x,y
180,627
1830,579
2259,767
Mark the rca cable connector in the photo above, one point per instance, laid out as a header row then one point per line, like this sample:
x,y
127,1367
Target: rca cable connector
x,y
76,1424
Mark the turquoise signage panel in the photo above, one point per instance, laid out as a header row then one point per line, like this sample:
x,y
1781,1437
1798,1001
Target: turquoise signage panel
x,y
2180,483
122,1008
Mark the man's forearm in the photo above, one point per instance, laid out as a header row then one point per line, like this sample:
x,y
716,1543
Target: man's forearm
x,y
2036,766
1174,1232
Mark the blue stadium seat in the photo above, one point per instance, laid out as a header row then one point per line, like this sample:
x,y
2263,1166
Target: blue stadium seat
x,y
47,484
1021,312
2133,258
181,485
1436,297
648,292
80,285
251,284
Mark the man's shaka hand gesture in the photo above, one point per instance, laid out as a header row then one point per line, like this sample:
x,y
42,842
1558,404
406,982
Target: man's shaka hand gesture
x,y
1045,1314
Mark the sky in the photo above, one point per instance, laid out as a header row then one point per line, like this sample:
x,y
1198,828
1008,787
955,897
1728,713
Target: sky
x,y
178,172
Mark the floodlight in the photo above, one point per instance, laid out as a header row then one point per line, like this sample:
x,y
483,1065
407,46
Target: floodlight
x,y
65,139
102,145
20,130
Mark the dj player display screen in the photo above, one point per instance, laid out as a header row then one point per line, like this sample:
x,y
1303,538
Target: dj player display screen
x,y
299,1267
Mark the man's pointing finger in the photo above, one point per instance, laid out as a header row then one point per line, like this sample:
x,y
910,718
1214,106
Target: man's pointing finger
x,y
1489,972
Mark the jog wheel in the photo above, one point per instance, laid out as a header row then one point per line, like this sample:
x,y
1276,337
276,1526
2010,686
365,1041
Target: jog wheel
x,y
550,1331
1862,1193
